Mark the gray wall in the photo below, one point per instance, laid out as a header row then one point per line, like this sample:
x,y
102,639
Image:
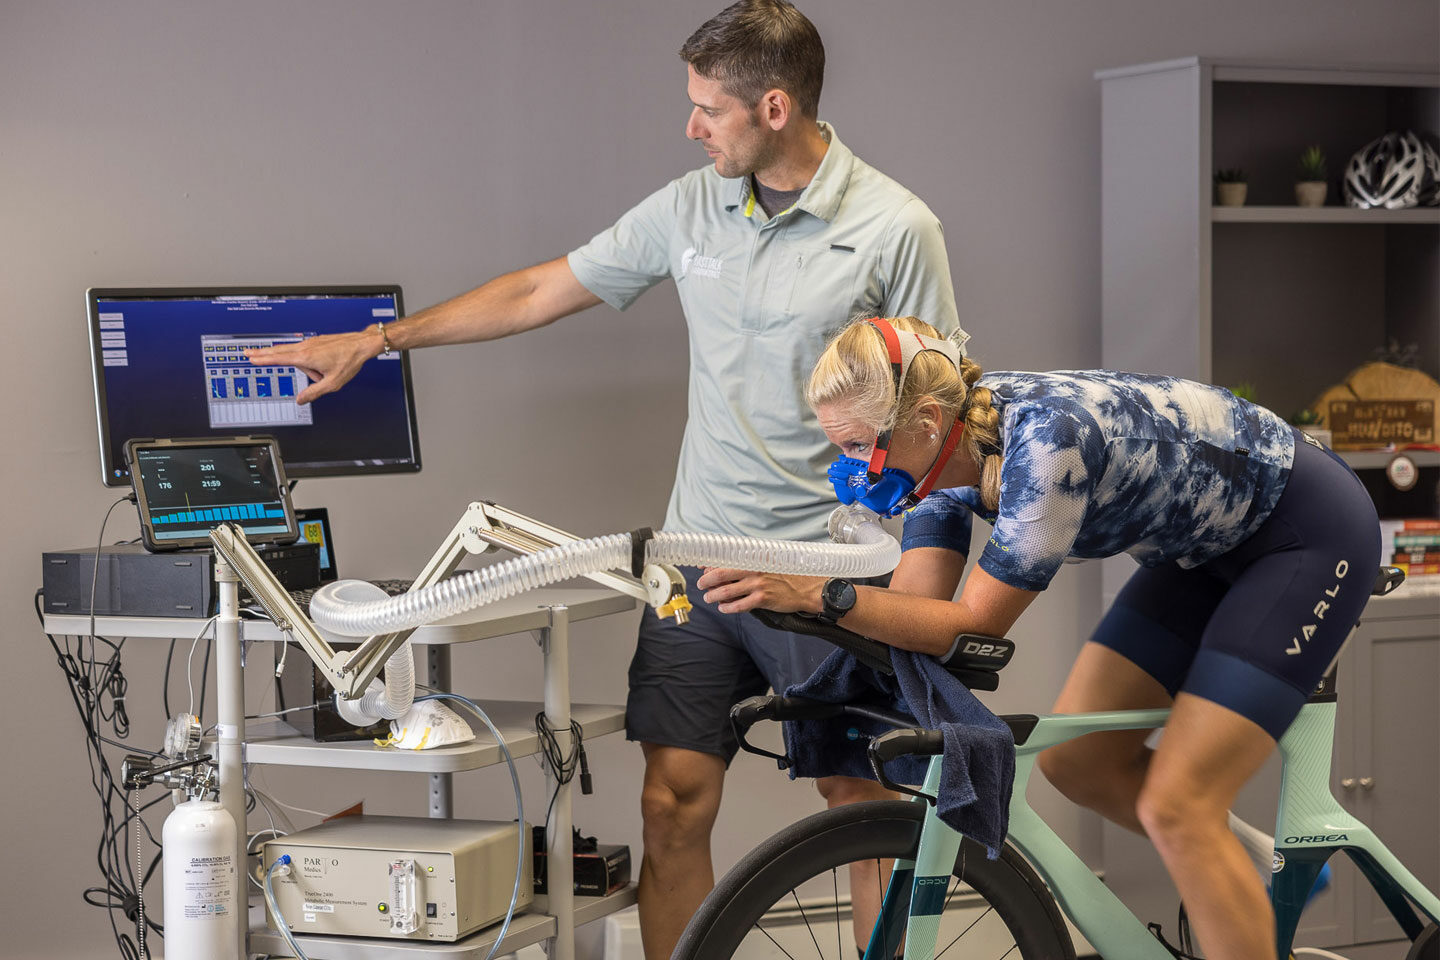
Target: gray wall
x,y
436,144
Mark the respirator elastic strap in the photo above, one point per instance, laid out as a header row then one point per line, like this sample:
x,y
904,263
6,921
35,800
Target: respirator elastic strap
x,y
952,439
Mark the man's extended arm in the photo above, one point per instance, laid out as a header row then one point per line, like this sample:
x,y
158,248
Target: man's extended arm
x,y
511,303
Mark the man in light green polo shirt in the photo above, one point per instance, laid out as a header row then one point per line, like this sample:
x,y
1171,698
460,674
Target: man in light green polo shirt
x,y
775,246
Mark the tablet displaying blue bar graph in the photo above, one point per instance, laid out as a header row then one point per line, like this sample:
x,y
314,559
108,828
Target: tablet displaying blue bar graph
x,y
184,488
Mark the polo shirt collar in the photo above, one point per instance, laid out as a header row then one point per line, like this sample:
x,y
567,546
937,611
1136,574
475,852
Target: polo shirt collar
x,y
826,189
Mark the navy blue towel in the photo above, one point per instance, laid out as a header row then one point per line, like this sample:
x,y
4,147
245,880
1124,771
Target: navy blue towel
x,y
977,771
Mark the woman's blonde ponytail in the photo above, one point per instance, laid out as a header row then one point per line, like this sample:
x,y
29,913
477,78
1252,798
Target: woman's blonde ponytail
x,y
982,436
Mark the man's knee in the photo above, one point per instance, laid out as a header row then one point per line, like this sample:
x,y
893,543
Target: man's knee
x,y
680,796
839,791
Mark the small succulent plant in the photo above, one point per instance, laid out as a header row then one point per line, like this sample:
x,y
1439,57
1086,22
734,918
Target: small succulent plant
x,y
1245,391
1230,175
1312,166
1305,418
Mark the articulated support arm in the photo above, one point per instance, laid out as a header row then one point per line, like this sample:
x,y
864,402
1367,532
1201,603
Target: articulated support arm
x,y
482,526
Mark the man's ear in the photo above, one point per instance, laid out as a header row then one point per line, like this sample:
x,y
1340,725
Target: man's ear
x,y
775,109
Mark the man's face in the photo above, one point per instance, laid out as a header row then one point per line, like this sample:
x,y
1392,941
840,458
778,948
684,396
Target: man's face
x,y
731,133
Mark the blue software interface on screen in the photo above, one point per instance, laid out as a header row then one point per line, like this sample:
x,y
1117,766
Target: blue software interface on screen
x,y
189,491
175,366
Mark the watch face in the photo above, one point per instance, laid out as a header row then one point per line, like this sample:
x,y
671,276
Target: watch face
x,y
839,595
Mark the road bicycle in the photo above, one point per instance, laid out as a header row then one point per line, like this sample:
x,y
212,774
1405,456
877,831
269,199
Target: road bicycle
x,y
932,868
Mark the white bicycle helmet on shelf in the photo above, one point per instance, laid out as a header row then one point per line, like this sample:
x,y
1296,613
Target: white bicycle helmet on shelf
x,y
1395,172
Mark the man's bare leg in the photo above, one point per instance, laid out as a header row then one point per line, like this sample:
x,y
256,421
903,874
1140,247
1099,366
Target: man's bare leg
x,y
678,802
868,878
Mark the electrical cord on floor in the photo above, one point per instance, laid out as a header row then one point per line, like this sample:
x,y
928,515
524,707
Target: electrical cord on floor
x,y
94,682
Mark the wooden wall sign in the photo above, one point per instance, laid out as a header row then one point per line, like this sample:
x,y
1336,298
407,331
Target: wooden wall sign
x,y
1372,423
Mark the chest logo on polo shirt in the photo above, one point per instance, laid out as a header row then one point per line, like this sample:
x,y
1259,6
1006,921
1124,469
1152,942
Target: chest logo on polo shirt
x,y
699,265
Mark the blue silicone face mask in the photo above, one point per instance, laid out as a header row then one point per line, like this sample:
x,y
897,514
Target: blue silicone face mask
x,y
889,496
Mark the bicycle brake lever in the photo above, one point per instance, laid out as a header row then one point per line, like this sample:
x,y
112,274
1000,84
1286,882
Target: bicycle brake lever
x,y
746,714
914,741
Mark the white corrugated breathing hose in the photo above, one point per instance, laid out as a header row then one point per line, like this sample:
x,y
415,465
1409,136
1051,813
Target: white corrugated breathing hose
x,y
354,608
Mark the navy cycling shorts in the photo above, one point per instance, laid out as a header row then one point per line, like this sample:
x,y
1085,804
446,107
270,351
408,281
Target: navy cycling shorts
x,y
1255,629
684,678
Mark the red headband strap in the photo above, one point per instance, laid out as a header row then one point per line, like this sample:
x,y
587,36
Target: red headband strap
x,y
897,372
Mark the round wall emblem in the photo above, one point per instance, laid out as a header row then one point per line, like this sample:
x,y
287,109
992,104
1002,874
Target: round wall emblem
x,y
1402,472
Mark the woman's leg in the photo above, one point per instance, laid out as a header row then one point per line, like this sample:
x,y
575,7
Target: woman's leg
x,y
1104,771
1297,586
1206,756
1136,660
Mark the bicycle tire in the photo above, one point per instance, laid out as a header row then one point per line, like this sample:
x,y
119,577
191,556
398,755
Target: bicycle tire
x,y
883,830
1427,945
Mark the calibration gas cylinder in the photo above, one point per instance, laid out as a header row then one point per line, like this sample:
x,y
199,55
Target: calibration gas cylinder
x,y
200,881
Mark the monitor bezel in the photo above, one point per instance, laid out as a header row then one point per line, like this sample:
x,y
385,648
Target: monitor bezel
x,y
97,370
147,528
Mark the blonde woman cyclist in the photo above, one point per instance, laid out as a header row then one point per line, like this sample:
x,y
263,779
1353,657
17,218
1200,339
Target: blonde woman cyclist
x,y
1256,549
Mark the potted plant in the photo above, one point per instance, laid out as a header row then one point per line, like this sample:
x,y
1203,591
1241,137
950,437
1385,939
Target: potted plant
x,y
1245,390
1230,187
1311,178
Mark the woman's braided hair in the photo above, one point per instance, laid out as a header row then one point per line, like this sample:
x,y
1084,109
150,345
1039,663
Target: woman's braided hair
x,y
855,370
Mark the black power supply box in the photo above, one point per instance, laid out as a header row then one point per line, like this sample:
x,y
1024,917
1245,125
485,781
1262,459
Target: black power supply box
x,y
302,684
133,582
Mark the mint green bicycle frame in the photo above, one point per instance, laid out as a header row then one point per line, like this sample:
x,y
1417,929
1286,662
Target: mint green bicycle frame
x,y
1311,826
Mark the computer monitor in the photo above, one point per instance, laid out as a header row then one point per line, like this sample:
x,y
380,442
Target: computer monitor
x,y
170,362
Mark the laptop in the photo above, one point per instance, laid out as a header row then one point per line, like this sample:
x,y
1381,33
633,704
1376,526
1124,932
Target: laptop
x,y
314,524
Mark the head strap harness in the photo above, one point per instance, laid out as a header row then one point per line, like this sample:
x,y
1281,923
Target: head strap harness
x,y
901,348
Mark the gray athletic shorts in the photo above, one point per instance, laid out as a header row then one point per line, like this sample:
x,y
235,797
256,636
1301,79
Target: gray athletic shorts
x,y
684,679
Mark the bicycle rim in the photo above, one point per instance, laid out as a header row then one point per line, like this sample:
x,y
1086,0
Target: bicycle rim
x,y
788,898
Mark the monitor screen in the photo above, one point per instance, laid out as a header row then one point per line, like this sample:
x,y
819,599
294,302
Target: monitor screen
x,y
171,363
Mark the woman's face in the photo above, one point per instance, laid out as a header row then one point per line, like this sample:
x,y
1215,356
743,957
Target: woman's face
x,y
911,448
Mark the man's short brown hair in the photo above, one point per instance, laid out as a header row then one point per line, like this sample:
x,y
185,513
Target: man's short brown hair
x,y
754,46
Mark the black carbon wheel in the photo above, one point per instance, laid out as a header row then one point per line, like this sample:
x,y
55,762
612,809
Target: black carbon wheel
x,y
800,872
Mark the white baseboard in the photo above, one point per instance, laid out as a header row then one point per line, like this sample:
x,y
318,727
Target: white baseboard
x,y
622,934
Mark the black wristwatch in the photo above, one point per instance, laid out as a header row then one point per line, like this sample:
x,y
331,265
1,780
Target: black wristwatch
x,y
837,597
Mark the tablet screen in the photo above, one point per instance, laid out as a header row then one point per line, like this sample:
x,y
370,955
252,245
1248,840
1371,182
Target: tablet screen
x,y
185,488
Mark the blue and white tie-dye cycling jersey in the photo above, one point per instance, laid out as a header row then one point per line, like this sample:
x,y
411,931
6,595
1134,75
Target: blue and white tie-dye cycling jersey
x,y
1099,463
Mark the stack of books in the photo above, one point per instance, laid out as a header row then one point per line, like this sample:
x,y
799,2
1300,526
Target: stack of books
x,y
1413,545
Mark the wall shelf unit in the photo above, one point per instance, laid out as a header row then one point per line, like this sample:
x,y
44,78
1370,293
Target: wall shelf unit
x,y
1327,214
1289,299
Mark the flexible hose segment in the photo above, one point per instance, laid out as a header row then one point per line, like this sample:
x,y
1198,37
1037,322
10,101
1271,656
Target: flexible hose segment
x,y
470,590
871,552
